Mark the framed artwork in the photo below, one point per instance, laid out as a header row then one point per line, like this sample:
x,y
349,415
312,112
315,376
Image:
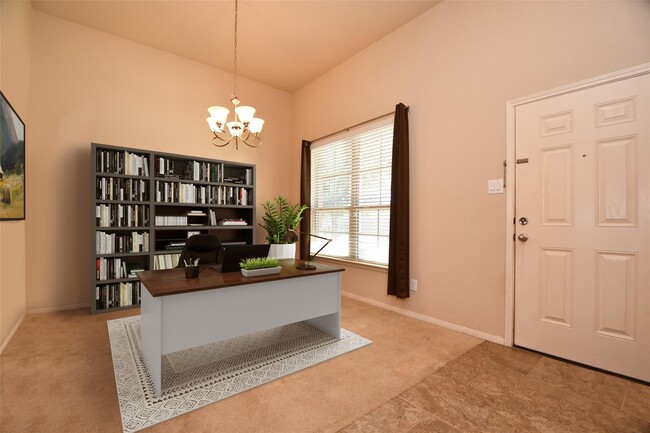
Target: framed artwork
x,y
12,163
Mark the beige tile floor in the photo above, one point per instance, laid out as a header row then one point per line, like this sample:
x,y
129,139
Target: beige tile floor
x,y
498,389
56,375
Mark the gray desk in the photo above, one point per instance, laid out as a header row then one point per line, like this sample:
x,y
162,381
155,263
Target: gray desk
x,y
180,313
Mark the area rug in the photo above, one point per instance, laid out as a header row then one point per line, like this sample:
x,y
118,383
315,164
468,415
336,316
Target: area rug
x,y
200,376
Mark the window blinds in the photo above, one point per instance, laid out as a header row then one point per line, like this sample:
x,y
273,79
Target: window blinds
x,y
350,194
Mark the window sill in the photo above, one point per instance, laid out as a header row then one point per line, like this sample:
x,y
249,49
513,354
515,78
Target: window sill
x,y
365,266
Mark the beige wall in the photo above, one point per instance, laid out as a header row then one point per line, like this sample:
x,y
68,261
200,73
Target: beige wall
x,y
15,63
88,86
456,66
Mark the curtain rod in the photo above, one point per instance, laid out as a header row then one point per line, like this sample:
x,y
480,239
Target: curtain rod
x,y
358,124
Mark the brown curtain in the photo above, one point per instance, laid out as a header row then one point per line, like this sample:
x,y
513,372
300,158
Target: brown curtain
x,y
398,243
305,198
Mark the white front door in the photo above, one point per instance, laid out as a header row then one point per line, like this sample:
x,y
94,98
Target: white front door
x,y
582,276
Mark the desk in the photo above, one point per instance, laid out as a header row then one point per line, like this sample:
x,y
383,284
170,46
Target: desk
x,y
180,313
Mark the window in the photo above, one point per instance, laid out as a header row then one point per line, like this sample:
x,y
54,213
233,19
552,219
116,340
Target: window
x,y
350,187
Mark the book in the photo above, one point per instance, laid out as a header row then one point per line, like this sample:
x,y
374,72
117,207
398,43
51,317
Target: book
x,y
232,222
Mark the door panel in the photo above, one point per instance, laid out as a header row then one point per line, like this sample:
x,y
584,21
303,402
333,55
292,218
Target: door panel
x,y
582,277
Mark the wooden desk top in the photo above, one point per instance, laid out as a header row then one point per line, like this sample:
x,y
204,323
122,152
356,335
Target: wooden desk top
x,y
173,281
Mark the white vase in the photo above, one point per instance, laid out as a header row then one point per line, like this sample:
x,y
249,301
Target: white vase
x,y
282,251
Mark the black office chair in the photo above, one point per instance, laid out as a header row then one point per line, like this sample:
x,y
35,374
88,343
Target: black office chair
x,y
203,247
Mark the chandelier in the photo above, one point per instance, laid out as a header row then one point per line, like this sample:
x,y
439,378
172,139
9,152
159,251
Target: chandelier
x,y
245,127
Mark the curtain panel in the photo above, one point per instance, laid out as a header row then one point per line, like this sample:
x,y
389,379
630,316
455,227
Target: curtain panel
x,y
305,198
398,243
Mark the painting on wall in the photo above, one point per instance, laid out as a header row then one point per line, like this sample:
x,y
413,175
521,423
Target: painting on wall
x,y
12,163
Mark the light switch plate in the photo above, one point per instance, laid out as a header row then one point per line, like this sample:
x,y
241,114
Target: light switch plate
x,y
495,186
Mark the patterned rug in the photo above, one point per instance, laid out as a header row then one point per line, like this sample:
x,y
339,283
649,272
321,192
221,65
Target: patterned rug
x,y
203,375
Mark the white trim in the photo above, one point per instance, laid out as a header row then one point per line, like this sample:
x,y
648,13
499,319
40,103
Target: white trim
x,y
11,334
442,323
510,226
511,106
585,84
57,308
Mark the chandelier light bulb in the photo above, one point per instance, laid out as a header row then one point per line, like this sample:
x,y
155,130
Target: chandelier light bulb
x,y
256,125
219,115
235,128
245,113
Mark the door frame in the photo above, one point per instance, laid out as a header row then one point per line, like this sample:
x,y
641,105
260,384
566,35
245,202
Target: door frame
x,y
511,184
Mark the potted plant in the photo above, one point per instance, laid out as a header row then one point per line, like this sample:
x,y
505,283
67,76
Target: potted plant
x,y
259,266
278,219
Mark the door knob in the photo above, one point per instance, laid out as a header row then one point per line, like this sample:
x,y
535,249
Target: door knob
x,y
523,237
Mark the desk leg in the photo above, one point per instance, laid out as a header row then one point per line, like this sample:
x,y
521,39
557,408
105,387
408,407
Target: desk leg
x,y
151,337
330,324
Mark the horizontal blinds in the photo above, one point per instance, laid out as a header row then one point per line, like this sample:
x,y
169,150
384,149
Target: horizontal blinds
x,y
350,189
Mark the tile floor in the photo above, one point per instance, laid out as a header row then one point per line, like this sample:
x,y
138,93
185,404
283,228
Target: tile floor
x,y
498,389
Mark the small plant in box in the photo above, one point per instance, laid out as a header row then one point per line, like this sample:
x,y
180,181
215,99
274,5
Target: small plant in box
x,y
259,266
258,263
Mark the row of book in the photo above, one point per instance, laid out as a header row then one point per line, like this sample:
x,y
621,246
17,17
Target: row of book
x,y
189,170
191,218
121,162
165,261
173,192
122,215
234,195
116,188
118,243
117,295
170,220
115,268
202,171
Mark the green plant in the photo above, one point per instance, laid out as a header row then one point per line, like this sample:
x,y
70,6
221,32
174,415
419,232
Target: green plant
x,y
258,263
279,218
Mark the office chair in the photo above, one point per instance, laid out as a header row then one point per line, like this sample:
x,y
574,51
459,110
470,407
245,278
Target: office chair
x,y
202,247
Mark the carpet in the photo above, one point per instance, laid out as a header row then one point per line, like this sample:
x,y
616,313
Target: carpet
x,y
202,375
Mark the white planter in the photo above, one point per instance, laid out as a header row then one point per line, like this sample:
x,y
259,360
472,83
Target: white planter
x,y
282,251
258,272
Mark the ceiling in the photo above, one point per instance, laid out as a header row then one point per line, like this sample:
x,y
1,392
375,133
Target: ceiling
x,y
285,44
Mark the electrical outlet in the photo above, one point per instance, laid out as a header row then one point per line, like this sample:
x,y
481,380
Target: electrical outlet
x,y
414,284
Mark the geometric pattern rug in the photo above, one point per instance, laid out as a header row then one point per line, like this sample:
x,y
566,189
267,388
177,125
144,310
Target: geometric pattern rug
x,y
199,376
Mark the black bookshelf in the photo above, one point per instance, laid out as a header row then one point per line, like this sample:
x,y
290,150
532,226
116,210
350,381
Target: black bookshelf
x,y
145,206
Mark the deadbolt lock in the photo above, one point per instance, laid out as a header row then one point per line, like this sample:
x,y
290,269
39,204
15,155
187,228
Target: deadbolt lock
x,y
523,221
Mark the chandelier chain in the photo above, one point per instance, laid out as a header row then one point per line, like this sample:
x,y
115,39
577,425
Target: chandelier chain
x,y
234,95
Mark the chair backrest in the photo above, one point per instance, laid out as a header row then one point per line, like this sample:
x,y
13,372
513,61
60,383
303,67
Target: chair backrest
x,y
203,247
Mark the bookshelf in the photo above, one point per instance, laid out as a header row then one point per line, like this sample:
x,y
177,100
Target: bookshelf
x,y
145,206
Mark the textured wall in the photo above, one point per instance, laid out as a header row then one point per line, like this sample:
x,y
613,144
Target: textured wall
x,y
456,65
15,65
88,86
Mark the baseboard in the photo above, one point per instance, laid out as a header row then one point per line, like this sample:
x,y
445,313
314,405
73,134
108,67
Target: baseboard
x,y
11,334
57,308
442,323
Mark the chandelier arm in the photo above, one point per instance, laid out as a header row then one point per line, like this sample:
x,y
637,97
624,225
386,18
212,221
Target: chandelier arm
x,y
216,135
255,136
224,141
